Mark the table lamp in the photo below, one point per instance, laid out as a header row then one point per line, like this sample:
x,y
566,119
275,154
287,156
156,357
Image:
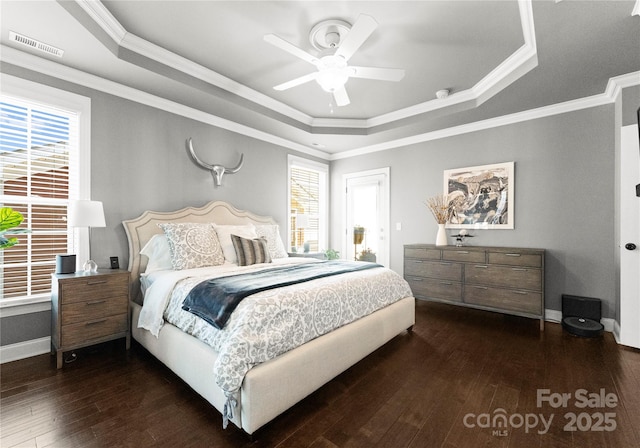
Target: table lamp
x,y
83,213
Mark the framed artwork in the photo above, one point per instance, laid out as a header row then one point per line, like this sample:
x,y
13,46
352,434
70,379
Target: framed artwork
x,y
482,196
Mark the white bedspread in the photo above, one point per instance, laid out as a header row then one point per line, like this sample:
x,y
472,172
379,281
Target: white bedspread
x,y
272,322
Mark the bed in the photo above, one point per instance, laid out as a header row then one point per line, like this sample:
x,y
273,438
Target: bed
x,y
271,387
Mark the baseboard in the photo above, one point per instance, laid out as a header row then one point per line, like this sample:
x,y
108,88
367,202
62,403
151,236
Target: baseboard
x,y
26,349
556,316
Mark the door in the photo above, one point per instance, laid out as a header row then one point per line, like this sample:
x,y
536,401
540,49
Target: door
x,y
629,250
367,209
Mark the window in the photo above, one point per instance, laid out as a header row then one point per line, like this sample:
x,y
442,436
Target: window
x,y
308,220
39,174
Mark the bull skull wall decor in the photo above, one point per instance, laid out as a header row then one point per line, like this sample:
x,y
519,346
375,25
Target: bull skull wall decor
x,y
216,170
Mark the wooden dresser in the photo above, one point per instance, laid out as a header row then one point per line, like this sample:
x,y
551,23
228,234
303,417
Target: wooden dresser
x,y
87,309
503,279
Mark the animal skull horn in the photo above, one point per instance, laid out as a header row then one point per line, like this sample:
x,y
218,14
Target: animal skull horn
x,y
216,170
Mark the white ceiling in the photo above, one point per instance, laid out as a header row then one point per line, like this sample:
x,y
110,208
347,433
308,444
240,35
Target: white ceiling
x,y
496,57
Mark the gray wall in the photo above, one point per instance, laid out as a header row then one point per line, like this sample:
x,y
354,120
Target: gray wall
x,y
564,190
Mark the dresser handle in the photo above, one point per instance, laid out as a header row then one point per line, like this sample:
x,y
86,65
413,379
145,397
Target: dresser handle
x,y
444,263
462,251
522,293
446,283
95,322
417,261
519,269
480,287
415,279
96,282
512,255
96,302
481,266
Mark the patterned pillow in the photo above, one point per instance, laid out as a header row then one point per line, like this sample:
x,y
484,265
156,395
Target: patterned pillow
x,y
251,251
272,234
193,245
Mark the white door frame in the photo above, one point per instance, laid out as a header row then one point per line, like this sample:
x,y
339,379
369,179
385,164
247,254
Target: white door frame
x,y
383,256
628,324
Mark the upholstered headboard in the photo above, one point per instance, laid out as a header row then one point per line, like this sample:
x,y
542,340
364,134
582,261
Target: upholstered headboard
x,y
140,230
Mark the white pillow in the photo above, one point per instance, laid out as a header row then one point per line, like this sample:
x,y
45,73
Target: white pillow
x,y
158,252
271,232
224,235
193,245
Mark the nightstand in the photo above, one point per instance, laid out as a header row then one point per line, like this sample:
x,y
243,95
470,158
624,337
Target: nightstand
x,y
88,309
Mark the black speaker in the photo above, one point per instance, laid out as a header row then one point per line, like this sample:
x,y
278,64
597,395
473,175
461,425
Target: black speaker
x,y
581,316
65,264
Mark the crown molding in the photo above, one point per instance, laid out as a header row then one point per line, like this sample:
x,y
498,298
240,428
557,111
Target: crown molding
x,y
613,89
515,66
59,71
50,68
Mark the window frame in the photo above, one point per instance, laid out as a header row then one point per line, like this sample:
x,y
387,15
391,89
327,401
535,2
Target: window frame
x,y
21,89
323,221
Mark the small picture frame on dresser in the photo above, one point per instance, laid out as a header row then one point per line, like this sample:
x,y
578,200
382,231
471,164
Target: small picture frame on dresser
x,y
115,263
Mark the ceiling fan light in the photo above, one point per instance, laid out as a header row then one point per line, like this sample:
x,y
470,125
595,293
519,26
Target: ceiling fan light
x,y
332,79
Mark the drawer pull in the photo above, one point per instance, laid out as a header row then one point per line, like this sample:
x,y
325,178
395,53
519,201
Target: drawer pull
x,y
446,283
462,251
480,287
95,322
415,279
522,293
481,266
519,269
512,255
416,261
96,302
96,282
445,263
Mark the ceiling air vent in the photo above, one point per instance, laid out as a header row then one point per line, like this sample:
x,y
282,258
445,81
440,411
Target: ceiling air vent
x,y
35,44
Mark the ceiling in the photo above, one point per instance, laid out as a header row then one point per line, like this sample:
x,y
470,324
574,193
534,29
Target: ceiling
x,y
208,60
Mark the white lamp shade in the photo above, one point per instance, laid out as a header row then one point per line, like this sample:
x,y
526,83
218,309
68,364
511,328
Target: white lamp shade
x,y
85,214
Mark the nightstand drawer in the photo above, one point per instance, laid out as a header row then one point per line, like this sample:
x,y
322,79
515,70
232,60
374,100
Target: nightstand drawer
x,y
513,300
437,269
84,332
95,288
92,309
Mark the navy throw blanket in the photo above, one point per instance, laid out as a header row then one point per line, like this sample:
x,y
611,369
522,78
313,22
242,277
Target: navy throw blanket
x,y
214,300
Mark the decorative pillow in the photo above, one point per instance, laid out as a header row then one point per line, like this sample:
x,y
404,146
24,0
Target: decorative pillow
x,y
193,245
158,252
224,235
251,251
272,234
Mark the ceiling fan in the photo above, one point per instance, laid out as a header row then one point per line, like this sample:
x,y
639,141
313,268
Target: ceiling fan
x,y
336,42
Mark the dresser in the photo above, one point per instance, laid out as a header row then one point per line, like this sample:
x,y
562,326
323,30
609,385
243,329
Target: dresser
x,y
503,279
87,309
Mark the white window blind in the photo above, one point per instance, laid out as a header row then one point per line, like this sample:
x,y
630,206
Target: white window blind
x,y
308,205
40,172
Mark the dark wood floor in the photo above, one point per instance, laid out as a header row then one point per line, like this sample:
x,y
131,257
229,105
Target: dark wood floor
x,y
440,386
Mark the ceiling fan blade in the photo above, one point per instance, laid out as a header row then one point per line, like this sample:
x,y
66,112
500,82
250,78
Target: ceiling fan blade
x,y
382,74
360,31
341,97
297,81
290,48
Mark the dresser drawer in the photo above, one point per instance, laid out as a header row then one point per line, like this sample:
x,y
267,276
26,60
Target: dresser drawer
x,y
92,309
435,289
94,288
469,256
504,299
82,333
441,270
491,275
516,259
422,252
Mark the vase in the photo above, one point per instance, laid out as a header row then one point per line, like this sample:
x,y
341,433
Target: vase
x,y
441,236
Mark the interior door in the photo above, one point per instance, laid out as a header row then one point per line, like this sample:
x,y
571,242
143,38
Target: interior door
x,y
367,206
629,250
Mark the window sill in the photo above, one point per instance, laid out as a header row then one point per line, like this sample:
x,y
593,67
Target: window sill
x,y
17,307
